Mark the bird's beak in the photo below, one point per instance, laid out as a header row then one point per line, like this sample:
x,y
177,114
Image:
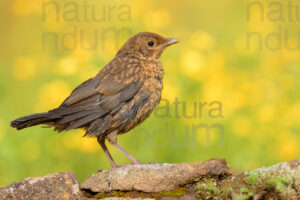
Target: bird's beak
x,y
171,41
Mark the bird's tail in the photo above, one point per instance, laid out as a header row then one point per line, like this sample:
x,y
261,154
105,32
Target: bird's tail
x,y
30,120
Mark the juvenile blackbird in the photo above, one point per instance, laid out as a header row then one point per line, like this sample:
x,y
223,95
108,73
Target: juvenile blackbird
x,y
119,97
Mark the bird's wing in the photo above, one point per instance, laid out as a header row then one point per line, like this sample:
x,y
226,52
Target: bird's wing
x,y
115,91
96,97
83,91
122,83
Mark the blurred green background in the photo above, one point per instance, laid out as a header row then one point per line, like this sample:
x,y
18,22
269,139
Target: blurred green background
x,y
227,54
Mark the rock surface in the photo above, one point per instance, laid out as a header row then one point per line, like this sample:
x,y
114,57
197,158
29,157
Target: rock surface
x,y
62,186
153,178
204,180
280,181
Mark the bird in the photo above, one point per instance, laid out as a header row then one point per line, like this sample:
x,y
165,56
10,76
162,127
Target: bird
x,y
121,96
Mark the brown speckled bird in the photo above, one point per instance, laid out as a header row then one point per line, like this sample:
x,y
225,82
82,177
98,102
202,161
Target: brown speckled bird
x,y
119,97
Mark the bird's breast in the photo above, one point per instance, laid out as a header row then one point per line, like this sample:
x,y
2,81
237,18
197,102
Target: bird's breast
x,y
144,101
153,69
154,81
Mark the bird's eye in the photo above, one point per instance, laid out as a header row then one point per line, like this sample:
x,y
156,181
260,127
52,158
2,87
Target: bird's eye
x,y
150,43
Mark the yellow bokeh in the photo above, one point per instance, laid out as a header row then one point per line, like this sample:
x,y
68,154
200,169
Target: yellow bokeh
x,y
66,66
80,55
266,113
110,47
52,95
217,60
202,40
289,55
2,129
242,127
30,150
76,141
139,8
217,85
207,136
24,68
91,72
170,91
192,62
272,65
246,45
157,19
290,115
258,19
22,8
288,146
287,82
262,28
54,22
251,92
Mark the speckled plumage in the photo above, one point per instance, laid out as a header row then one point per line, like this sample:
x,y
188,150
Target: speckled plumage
x,y
119,97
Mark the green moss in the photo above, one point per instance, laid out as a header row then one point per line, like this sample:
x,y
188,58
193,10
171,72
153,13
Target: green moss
x,y
246,192
252,179
101,195
264,182
135,194
241,197
174,193
208,189
279,183
241,188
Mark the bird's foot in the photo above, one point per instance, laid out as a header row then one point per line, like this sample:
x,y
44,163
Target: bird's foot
x,y
123,165
153,163
135,162
127,165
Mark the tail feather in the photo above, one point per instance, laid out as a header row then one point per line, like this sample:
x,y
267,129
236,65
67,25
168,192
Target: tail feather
x,y
30,120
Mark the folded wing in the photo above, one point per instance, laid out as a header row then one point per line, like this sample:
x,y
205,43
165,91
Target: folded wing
x,y
97,98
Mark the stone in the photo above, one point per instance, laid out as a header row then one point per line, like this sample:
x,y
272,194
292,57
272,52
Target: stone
x,y
279,181
62,186
187,181
153,178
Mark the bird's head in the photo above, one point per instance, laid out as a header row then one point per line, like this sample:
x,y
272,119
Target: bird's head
x,y
148,44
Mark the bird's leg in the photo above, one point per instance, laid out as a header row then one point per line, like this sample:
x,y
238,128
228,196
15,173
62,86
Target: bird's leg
x,y
102,144
112,138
